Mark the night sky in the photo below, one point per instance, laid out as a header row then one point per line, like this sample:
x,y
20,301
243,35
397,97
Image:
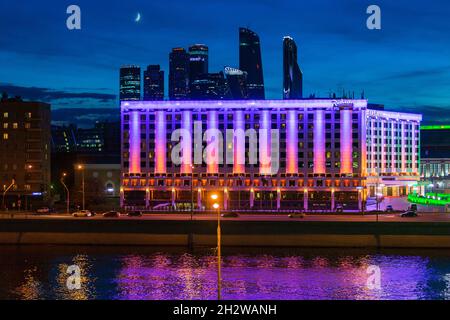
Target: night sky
x,y
405,66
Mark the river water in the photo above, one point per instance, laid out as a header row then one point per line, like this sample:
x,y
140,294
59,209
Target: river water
x,y
40,272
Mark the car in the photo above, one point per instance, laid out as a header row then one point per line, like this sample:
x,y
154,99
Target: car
x,y
43,210
230,215
111,214
297,215
339,208
389,208
134,213
413,207
409,214
82,214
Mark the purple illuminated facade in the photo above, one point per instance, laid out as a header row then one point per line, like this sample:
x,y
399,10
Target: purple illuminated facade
x,y
310,154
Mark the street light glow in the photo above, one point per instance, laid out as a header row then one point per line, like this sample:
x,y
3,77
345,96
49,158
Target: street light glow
x,y
216,206
214,196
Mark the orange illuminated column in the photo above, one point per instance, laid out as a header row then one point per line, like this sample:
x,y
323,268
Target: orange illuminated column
x,y
186,126
213,142
265,156
135,142
319,141
160,142
346,141
239,142
292,142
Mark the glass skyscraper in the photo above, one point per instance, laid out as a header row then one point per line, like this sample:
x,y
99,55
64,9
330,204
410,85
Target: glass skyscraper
x,y
292,75
178,74
153,83
198,61
250,61
130,83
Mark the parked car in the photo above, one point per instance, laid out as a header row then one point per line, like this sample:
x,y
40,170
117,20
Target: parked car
x,y
134,213
82,214
413,207
111,214
297,215
409,214
339,208
389,208
230,215
43,210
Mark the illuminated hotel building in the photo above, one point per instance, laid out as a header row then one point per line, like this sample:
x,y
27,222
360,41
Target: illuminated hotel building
x,y
311,154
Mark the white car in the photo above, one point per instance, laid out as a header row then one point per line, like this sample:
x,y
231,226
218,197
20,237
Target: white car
x,y
82,214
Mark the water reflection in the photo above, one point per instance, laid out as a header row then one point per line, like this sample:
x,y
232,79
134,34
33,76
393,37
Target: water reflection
x,y
143,273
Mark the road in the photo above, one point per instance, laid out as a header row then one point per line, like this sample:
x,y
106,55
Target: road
x,y
423,217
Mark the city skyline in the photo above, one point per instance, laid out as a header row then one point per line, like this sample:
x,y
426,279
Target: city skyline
x,y
360,59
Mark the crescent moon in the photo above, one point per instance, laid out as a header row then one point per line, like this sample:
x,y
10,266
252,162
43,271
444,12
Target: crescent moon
x,y
138,18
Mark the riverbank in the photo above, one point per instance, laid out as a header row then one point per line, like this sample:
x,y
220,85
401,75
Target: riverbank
x,y
236,232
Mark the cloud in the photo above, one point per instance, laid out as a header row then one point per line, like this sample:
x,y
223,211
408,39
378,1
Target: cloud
x,y
49,95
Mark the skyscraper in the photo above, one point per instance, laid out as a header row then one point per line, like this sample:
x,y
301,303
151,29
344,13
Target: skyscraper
x,y
210,86
292,75
130,83
198,61
250,61
178,74
237,82
153,83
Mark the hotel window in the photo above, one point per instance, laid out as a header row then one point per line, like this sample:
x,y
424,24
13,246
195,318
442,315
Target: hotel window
x,y
5,136
5,125
5,115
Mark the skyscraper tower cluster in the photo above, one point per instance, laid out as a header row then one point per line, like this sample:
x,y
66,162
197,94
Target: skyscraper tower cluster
x,y
190,78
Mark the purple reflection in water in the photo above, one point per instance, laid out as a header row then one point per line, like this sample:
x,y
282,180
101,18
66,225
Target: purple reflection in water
x,y
136,273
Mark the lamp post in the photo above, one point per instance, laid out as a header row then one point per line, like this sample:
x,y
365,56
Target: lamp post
x,y
80,167
216,206
4,193
192,192
67,191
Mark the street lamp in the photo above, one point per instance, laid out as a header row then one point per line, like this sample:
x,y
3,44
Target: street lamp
x,y
192,192
67,191
216,206
81,168
4,193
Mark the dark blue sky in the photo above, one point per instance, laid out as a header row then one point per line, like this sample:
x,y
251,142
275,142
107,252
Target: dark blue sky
x,y
405,66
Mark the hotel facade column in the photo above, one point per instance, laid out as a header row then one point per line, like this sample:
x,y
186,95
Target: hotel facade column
x,y
278,199
393,149
147,198
135,142
292,143
239,142
333,205
199,199
414,146
252,198
319,142
402,146
373,164
346,141
225,199
160,142
360,200
383,151
265,157
186,126
213,142
305,199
